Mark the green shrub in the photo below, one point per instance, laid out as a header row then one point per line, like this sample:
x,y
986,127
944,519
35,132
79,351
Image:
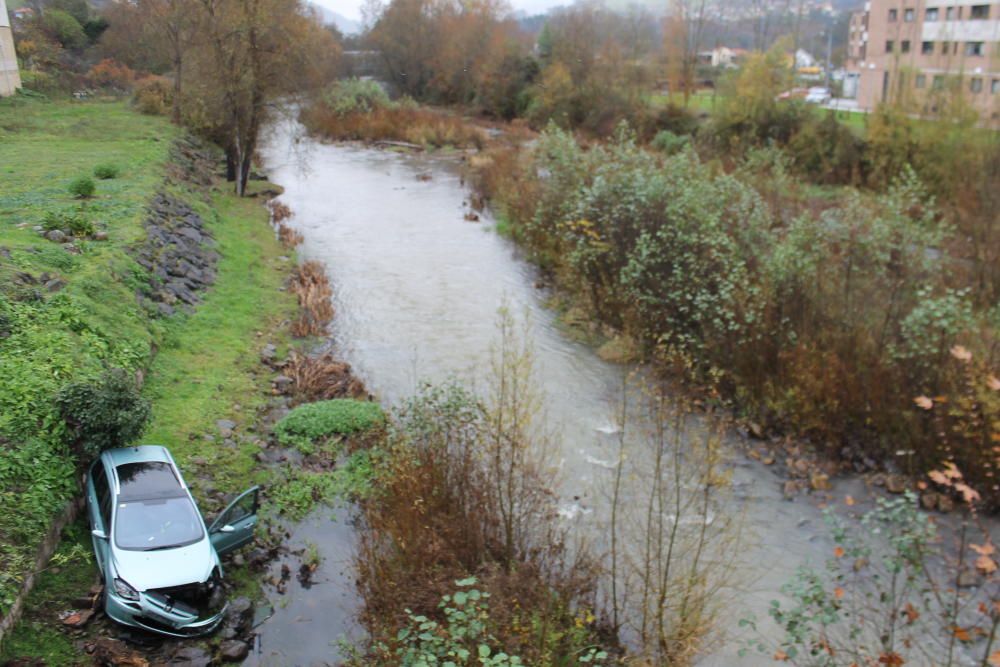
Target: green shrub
x,y
106,171
153,96
62,27
312,423
356,96
83,187
74,222
104,414
667,142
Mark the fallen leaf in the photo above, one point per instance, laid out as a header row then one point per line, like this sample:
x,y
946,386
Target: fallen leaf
x,y
838,552
961,353
838,593
780,655
922,485
911,613
986,565
849,500
961,634
924,402
892,659
993,383
983,549
939,477
969,495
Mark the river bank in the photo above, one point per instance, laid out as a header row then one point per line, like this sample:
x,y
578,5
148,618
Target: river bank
x,y
220,346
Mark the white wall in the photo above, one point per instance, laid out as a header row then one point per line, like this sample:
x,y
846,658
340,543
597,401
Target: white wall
x,y
10,79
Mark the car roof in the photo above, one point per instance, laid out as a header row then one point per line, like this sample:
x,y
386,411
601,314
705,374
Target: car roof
x,y
130,461
138,454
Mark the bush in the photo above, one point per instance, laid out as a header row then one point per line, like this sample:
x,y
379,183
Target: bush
x,y
106,171
153,96
667,142
103,414
315,422
74,222
83,187
62,27
356,96
111,74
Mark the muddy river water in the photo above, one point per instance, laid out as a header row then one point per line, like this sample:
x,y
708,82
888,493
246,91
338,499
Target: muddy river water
x,y
416,291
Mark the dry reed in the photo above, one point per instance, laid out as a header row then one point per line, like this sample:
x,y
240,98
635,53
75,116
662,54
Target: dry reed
x,y
312,288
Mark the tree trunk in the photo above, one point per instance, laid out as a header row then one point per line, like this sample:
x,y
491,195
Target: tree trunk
x,y
230,165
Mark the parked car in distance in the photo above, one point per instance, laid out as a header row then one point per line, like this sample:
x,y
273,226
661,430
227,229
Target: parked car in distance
x,y
818,95
158,561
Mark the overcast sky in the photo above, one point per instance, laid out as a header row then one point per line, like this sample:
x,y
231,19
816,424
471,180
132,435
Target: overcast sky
x,y
352,8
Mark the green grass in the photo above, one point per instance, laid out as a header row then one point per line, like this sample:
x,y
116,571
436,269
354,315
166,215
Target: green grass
x,y
207,367
206,363
309,425
49,338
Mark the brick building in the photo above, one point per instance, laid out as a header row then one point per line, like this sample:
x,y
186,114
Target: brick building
x,y
914,51
10,79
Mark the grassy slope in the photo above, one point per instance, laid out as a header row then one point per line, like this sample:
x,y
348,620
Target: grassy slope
x,y
206,364
50,338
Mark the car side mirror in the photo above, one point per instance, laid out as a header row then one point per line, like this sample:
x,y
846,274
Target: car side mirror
x,y
99,534
227,529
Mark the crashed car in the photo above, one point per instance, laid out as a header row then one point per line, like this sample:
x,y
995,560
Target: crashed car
x,y
158,561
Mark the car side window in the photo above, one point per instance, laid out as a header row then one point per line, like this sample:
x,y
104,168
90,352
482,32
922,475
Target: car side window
x,y
103,495
242,509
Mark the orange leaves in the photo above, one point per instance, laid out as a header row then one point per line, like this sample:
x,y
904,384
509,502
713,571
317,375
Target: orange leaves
x,y
838,593
838,552
892,659
849,500
924,402
969,495
993,382
911,613
780,655
961,353
961,634
985,563
994,659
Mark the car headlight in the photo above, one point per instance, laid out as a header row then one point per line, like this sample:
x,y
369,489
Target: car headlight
x,y
125,591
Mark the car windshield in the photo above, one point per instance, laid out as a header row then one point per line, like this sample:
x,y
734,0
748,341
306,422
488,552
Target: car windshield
x,y
157,523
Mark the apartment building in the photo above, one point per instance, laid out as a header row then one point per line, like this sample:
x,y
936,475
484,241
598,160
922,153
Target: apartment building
x,y
10,79
909,50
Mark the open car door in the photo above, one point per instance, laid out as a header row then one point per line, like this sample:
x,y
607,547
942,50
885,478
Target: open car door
x,y
234,527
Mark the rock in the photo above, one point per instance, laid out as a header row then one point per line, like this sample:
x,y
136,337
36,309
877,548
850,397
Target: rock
x,y
78,619
233,650
225,427
801,467
819,481
878,479
191,656
790,490
239,560
227,632
945,503
84,601
895,484
967,579
928,500
756,430
282,384
166,310
100,236
56,236
107,651
239,613
268,354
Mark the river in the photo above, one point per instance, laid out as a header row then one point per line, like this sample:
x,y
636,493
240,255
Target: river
x,y
416,291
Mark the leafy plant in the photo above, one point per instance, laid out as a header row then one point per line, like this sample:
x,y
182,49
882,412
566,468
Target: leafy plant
x,y
75,222
103,414
312,423
82,187
107,171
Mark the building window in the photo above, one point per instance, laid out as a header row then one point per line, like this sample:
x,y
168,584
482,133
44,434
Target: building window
x,y
893,15
973,48
927,48
995,87
980,12
908,15
932,14
949,14
921,81
938,82
976,84
944,48
888,46
905,46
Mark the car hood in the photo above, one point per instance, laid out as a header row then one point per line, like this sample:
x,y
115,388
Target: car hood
x,y
144,570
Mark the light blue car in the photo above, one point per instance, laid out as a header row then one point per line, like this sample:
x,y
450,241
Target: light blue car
x,y
158,561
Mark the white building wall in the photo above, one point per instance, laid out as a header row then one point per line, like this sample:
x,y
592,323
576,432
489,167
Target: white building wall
x,y
10,78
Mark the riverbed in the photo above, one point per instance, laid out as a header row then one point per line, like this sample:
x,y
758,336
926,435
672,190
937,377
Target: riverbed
x,y
417,287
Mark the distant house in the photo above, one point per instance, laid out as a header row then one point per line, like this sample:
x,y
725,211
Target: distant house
x,y
10,78
722,56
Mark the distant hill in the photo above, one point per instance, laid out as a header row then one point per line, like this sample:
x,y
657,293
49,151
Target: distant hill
x,y
345,25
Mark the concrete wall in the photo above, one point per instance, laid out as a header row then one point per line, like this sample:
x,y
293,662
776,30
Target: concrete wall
x,y
10,79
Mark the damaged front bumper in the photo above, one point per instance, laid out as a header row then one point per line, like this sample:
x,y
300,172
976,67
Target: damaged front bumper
x,y
164,614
